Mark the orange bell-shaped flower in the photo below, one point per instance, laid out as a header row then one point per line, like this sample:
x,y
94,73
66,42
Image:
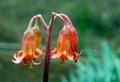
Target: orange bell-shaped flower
x,y
30,48
67,43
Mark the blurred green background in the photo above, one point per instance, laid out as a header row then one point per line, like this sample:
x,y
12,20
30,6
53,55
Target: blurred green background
x,y
95,20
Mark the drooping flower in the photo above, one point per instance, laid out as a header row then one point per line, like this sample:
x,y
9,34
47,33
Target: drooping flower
x,y
67,44
30,48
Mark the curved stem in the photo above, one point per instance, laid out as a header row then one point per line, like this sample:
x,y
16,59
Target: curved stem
x,y
65,22
62,19
68,19
35,17
31,22
43,21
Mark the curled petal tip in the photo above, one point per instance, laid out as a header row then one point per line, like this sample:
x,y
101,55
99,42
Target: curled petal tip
x,y
76,55
54,56
36,63
16,61
38,53
53,53
81,52
17,57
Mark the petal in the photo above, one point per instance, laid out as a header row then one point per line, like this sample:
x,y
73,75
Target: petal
x,y
54,56
63,56
54,53
18,57
36,63
76,55
81,52
38,53
70,56
16,60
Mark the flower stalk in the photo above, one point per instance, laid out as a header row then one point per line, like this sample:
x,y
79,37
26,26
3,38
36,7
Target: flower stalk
x,y
48,46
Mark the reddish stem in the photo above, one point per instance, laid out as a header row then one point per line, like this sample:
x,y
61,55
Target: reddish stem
x,y
67,18
62,19
35,17
48,46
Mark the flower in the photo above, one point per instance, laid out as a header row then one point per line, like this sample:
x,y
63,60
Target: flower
x,y
30,48
67,44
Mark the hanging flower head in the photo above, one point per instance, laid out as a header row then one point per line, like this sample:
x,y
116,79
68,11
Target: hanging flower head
x,y
67,43
30,48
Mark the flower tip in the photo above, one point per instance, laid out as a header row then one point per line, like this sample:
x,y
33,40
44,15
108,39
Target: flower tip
x,y
36,63
81,52
17,57
75,61
15,60
53,53
38,53
77,55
